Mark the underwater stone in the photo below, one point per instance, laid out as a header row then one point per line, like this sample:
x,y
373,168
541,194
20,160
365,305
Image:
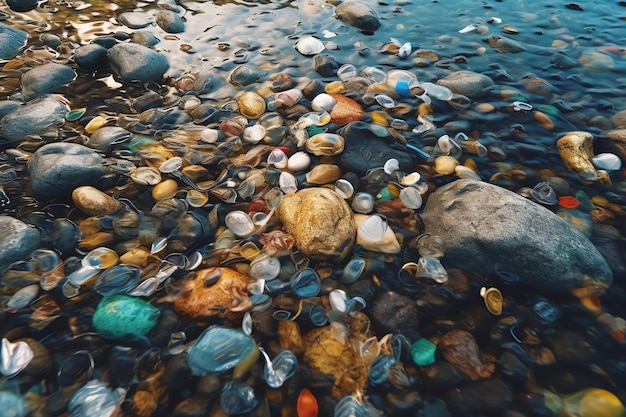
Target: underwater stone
x,y
11,41
391,312
485,225
321,221
33,118
576,150
358,14
19,240
94,202
90,56
46,78
134,62
467,83
120,316
57,169
219,349
170,21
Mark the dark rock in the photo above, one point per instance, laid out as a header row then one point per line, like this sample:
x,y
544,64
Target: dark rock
x,y
512,368
570,348
391,312
134,62
484,396
46,78
364,150
170,21
325,65
441,375
22,5
359,15
485,226
89,57
18,241
11,41
144,38
33,118
57,169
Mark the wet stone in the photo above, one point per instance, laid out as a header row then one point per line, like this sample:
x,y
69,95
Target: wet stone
x,y
170,21
33,118
358,14
321,221
486,396
120,316
519,236
90,56
467,83
391,312
94,202
11,41
18,242
134,62
134,20
57,169
46,78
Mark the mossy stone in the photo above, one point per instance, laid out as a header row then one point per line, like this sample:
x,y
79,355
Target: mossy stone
x,y
122,315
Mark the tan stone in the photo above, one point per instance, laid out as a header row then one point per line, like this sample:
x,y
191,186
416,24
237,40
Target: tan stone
x,y
576,150
619,118
618,140
227,297
321,221
445,165
94,202
328,354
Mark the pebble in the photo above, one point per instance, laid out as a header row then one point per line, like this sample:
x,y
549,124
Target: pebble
x,y
121,316
91,56
475,218
56,169
345,110
170,22
391,312
11,41
94,202
321,221
387,243
576,150
46,78
596,61
134,20
33,118
19,241
133,62
358,14
617,137
467,83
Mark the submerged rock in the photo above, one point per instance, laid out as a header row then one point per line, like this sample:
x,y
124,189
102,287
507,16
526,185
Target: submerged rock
x,y
321,221
33,118
485,227
57,169
359,15
467,83
19,240
11,41
46,78
134,62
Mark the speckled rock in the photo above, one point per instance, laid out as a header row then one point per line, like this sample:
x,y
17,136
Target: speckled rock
x,y
94,202
19,240
391,312
227,297
617,137
619,119
46,78
170,21
358,14
34,117
346,110
467,83
134,62
487,396
90,56
120,316
321,221
56,169
11,41
576,150
485,227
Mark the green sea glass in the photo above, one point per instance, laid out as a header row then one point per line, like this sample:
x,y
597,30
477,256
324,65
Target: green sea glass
x,y
121,315
423,352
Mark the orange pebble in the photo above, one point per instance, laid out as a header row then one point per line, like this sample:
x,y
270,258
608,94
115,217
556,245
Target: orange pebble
x,y
544,120
568,202
307,404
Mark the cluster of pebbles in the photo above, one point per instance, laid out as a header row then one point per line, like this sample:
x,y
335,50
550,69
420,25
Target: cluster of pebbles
x,y
324,239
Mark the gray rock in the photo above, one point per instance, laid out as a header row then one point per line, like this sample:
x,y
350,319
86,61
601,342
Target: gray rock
x,y
90,56
170,21
359,15
11,41
18,241
391,312
57,169
46,78
134,62
467,83
33,118
487,227
135,20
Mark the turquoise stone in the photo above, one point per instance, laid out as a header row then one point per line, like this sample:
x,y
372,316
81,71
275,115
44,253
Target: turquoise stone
x,y
423,352
219,349
584,200
120,315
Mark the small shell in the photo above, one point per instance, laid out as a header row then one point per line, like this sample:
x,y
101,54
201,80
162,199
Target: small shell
x,y
363,203
100,258
251,105
239,223
165,189
373,228
391,166
289,97
323,174
344,188
278,158
323,102
309,45
288,183
254,134
146,176
325,144
410,179
411,198
493,300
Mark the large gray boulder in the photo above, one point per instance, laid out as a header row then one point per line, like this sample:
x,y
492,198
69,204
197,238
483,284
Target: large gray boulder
x,y
486,227
56,169
18,241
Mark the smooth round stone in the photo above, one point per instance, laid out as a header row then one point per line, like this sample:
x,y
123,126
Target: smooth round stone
x,y
46,78
423,352
219,349
299,161
596,61
345,110
321,221
617,137
19,240
619,120
246,74
134,20
22,5
106,137
144,38
202,300
395,313
607,161
120,316
90,56
309,45
467,83
358,14
170,22
445,165
56,169
134,62
11,41
94,202
33,118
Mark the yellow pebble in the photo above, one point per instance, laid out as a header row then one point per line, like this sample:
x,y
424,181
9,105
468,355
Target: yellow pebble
x,y
95,124
445,165
471,164
424,109
598,200
165,189
379,117
335,87
484,107
544,120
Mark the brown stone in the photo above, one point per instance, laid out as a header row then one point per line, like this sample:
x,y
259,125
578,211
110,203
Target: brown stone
x,y
328,354
619,119
94,202
228,297
321,221
576,150
618,140
346,110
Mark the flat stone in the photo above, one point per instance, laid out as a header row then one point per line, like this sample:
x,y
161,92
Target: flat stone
x,y
467,83
486,227
46,78
33,118
94,202
321,221
170,21
120,316
358,14
134,62
56,169
19,240
11,41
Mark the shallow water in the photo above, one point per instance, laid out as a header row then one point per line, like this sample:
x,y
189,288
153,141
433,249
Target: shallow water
x,y
220,35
